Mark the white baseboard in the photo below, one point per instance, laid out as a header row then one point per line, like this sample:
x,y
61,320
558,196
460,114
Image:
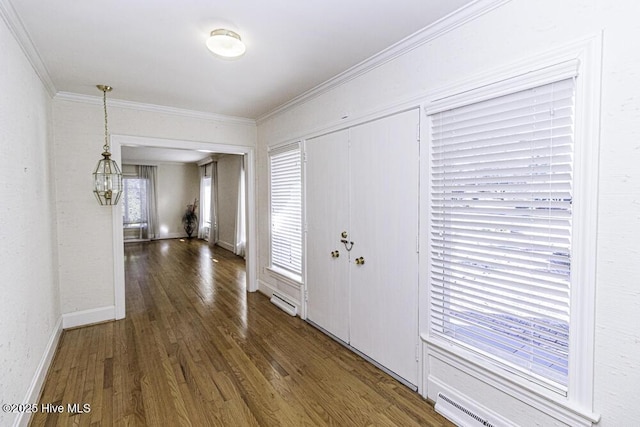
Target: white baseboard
x,y
87,317
225,245
265,288
35,388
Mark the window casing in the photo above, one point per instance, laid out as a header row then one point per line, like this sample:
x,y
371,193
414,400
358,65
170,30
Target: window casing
x,y
285,193
501,181
569,398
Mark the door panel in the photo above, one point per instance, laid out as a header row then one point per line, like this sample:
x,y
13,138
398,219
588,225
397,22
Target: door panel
x,y
327,216
384,227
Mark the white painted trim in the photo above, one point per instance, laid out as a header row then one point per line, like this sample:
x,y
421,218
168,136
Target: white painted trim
x,y
585,226
88,317
285,276
225,245
118,251
206,161
153,108
437,29
567,53
153,163
35,388
491,416
586,53
526,80
566,412
251,244
143,141
117,141
556,62
266,288
15,25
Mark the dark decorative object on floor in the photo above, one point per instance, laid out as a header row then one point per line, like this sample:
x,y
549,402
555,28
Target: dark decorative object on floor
x,y
190,219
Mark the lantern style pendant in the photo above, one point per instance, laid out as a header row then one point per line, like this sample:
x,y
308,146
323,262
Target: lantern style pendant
x,y
107,177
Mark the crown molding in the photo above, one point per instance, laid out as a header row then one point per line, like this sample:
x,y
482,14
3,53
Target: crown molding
x,y
16,27
437,29
153,108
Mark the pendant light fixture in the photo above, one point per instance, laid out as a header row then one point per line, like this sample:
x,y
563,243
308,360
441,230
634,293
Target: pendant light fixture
x,y
226,43
107,178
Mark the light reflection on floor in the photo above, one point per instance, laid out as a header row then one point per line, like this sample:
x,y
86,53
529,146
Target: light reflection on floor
x,y
206,281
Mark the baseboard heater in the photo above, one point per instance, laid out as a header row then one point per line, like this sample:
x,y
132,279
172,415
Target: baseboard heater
x,y
463,413
284,305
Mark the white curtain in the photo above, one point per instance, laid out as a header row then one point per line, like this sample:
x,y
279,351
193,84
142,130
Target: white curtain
x,y
213,233
202,229
150,174
240,213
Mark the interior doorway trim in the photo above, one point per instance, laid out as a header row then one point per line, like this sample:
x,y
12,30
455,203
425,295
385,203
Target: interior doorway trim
x,y
118,141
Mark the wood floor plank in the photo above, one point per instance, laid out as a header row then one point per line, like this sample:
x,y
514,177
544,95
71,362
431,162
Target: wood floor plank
x,y
196,349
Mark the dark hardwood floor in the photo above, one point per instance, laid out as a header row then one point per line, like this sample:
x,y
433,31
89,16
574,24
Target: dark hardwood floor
x,y
196,350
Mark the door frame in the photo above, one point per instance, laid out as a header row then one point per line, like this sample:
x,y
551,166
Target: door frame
x,y
118,141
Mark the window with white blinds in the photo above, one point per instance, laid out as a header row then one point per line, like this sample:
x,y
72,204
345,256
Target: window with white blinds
x,y
286,208
501,222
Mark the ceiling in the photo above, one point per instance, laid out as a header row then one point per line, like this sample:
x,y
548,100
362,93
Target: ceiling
x,y
154,52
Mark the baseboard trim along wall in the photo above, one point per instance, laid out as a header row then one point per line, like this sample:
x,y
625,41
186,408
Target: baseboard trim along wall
x,y
226,245
87,317
35,388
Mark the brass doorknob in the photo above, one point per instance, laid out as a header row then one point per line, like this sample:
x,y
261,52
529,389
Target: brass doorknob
x,y
343,234
360,261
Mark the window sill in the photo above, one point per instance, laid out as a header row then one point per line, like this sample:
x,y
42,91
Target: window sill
x,y
286,276
545,400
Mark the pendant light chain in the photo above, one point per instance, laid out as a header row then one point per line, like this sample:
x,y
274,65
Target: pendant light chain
x,y
106,129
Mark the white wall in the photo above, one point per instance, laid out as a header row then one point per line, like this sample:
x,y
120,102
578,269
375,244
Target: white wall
x,y
178,186
84,227
511,33
228,173
29,301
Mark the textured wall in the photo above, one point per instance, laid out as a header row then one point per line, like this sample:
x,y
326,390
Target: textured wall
x,y
512,33
29,299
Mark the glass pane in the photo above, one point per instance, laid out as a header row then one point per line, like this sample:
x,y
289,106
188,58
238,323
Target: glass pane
x,y
134,207
206,200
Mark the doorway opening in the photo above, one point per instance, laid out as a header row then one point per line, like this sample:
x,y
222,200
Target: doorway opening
x,y
245,203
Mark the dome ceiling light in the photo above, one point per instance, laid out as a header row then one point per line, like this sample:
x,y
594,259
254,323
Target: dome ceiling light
x,y
226,43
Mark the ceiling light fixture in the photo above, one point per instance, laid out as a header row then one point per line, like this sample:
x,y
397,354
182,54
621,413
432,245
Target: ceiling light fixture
x,y
226,43
107,178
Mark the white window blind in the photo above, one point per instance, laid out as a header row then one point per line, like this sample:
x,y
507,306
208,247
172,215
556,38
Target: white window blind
x,y
286,209
501,217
